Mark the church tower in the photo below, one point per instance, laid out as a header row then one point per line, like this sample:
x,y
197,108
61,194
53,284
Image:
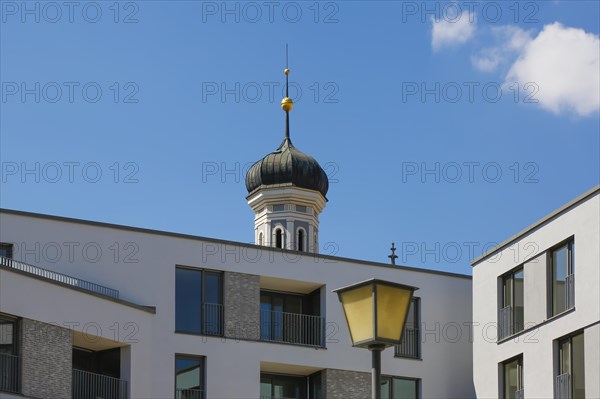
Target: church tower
x,y
287,192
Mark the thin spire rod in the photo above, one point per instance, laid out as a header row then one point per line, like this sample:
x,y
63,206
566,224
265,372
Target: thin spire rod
x,y
287,104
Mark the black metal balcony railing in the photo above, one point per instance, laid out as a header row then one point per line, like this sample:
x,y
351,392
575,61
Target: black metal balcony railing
x,y
292,328
570,291
562,386
520,394
212,319
409,346
505,322
59,277
88,385
10,373
189,394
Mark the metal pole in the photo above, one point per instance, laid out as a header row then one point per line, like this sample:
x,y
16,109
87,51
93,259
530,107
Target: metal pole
x,y
376,371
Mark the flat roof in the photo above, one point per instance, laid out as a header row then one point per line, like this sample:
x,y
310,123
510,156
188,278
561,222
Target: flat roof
x,y
546,219
226,242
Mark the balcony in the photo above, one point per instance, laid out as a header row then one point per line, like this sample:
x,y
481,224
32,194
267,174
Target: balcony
x,y
88,385
562,386
10,373
292,328
58,277
409,346
189,394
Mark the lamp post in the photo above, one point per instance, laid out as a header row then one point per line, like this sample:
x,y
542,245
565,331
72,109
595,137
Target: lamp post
x,y
375,311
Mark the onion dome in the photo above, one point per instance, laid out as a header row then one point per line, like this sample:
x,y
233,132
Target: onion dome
x,y
287,166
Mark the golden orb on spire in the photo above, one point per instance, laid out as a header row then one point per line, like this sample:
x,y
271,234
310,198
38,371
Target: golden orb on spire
x,y
287,104
286,71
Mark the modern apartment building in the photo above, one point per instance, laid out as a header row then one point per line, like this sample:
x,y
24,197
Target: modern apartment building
x,y
536,308
93,310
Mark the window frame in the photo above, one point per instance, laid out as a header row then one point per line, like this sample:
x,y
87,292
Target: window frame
x,y
560,342
9,249
202,360
16,375
520,374
569,243
203,272
16,321
504,278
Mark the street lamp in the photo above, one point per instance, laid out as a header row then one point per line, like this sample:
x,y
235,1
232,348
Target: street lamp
x,y
375,311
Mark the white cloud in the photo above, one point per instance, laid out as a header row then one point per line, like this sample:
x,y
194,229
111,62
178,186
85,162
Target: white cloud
x,y
564,63
452,31
509,42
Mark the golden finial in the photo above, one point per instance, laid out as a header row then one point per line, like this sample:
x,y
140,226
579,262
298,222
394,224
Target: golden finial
x,y
286,71
287,104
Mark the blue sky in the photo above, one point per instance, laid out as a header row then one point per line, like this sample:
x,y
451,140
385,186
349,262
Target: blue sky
x,y
443,135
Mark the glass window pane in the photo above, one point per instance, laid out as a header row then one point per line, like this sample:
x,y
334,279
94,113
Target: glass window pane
x,y
386,388
265,388
411,320
577,366
572,258
188,300
519,301
565,357
559,275
212,288
188,375
265,317
293,304
405,389
511,379
508,291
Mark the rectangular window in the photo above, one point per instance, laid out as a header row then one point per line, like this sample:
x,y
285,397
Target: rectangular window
x,y
399,388
513,379
198,301
274,386
562,281
189,377
6,250
410,346
512,310
570,381
9,359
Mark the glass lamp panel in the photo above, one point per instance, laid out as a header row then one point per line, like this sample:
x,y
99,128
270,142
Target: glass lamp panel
x,y
358,307
392,306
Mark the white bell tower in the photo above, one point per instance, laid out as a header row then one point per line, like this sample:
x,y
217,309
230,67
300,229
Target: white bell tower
x,y
286,191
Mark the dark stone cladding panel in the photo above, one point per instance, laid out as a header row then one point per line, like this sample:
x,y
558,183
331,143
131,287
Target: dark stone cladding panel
x,y
241,305
46,353
344,384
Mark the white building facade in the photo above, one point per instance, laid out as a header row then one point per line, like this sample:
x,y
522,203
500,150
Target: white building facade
x,y
196,317
536,308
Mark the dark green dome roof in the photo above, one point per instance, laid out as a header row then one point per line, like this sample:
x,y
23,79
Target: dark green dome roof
x,y
287,165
